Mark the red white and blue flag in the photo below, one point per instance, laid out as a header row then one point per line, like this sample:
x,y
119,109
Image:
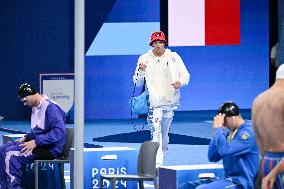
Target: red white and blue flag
x,y
203,22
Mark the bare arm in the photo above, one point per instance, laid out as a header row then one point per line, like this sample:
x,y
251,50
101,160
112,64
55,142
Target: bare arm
x,y
258,141
255,127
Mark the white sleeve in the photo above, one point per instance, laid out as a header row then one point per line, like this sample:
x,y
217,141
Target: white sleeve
x,y
139,75
183,74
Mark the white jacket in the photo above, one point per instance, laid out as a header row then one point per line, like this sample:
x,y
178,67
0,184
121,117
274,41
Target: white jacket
x,y
161,72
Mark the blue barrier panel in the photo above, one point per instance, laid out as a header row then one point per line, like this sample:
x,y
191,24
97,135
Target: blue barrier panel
x,y
176,177
49,176
109,160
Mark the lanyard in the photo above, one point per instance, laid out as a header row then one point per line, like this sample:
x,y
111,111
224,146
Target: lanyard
x,y
232,135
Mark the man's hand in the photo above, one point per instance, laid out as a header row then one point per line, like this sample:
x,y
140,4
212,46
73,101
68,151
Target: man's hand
x,y
142,67
219,121
28,147
21,139
268,181
176,85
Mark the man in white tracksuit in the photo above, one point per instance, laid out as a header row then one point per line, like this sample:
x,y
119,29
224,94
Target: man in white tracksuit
x,y
164,73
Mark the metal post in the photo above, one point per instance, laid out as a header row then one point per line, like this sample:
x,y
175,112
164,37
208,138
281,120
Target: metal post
x,y
79,57
36,166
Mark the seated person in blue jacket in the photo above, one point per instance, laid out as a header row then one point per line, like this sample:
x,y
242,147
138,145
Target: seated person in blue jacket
x,y
45,141
234,143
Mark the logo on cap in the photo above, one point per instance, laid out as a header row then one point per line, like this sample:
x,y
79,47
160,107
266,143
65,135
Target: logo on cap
x,y
158,36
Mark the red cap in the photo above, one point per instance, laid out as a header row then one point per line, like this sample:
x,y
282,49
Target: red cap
x,y
158,36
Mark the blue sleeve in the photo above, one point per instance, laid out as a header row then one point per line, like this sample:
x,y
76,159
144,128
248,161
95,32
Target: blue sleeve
x,y
213,154
30,136
55,119
241,144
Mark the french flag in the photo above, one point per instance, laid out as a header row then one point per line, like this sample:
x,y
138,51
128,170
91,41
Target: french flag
x,y
203,22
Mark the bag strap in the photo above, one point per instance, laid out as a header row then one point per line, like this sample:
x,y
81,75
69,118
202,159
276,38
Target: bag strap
x,y
131,112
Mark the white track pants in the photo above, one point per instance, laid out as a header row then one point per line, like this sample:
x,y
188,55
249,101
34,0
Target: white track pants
x,y
160,121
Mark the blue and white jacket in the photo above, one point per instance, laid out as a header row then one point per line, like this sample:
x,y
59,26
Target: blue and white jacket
x,y
48,126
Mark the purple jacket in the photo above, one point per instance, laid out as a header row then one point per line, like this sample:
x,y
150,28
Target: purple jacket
x,y
48,126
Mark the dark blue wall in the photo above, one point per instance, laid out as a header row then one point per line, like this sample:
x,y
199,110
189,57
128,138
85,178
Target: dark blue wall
x,y
96,12
35,37
280,54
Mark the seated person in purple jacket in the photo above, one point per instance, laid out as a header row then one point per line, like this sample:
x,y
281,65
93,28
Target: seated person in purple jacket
x,y
45,141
